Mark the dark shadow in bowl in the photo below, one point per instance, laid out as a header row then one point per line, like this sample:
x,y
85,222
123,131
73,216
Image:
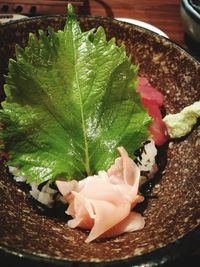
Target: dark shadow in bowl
x,y
172,218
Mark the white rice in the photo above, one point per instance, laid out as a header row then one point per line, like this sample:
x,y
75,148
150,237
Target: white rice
x,y
48,196
146,161
17,178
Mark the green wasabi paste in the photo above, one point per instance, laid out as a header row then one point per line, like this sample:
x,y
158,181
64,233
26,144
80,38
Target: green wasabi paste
x,y
182,123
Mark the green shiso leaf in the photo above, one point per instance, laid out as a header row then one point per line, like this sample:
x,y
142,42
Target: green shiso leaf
x,y
70,102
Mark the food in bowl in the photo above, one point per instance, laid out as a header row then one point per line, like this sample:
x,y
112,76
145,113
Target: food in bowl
x,y
53,132
158,214
70,104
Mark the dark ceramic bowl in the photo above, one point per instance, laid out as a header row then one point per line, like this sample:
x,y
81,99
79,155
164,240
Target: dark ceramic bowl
x,y
172,209
190,13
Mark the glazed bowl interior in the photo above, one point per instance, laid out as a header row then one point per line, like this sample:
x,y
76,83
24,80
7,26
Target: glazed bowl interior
x,y
172,207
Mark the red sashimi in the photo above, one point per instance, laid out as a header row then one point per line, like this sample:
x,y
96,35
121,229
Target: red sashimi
x,y
149,93
153,100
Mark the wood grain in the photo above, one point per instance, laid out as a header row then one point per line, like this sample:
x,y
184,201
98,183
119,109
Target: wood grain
x,y
163,14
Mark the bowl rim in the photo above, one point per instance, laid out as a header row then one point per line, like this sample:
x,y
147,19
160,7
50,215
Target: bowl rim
x,y
167,39
166,254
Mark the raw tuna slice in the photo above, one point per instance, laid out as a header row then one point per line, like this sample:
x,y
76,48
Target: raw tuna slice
x,y
153,100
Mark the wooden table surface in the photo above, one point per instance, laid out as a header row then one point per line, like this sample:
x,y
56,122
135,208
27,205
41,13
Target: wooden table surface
x,y
163,14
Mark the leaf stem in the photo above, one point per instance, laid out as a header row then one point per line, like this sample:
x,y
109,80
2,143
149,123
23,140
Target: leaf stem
x,y
86,149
